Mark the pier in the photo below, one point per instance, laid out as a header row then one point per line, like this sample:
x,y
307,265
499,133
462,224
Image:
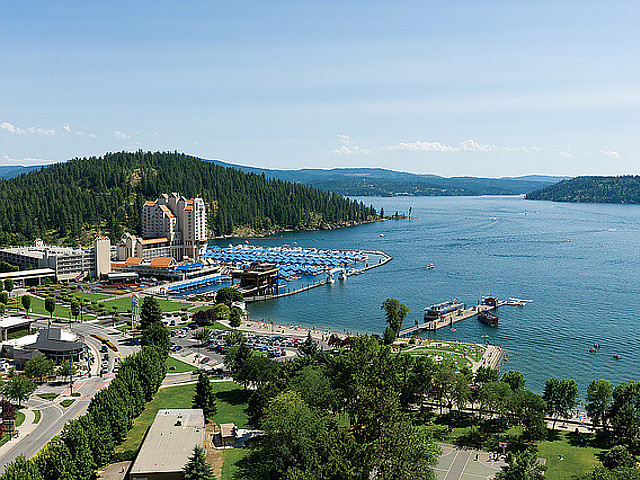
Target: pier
x,y
448,319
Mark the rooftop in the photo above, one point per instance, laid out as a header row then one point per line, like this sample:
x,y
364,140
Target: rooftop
x,y
170,441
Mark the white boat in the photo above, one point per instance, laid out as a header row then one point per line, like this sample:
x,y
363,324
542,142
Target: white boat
x,y
382,234
431,265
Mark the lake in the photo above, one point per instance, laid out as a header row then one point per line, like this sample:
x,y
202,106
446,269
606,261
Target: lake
x,y
579,263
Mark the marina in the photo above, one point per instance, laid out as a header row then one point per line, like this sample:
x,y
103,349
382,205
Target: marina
x,y
296,270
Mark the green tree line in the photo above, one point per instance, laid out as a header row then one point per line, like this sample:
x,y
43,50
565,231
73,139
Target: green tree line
x,y
107,193
621,189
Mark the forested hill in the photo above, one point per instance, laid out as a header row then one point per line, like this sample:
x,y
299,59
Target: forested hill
x,y
74,199
622,189
383,182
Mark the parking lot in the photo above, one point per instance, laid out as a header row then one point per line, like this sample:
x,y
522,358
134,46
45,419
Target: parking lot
x,y
210,354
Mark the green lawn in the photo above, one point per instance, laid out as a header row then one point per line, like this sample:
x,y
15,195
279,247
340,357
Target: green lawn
x,y
67,402
576,459
37,307
181,367
48,396
232,403
94,297
231,457
19,418
38,416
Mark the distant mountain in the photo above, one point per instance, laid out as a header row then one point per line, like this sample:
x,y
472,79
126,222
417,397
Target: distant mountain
x,y
383,182
10,171
622,189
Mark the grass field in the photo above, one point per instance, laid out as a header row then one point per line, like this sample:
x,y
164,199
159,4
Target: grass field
x,y
231,457
577,458
37,307
67,402
38,416
232,403
181,367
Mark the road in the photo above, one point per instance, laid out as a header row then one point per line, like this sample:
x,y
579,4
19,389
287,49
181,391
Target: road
x,y
55,416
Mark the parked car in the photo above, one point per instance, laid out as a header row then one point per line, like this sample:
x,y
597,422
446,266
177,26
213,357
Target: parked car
x,y
205,360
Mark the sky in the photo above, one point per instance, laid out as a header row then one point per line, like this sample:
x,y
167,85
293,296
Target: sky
x,y
491,88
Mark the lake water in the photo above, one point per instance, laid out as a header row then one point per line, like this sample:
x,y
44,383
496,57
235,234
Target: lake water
x,y
579,263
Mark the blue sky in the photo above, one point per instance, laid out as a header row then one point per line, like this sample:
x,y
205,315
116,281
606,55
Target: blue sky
x,y
452,88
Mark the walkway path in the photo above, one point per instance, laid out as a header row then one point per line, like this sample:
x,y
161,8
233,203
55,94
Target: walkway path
x,y
459,463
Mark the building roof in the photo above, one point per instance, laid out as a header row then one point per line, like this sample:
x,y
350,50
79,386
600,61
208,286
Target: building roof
x,y
10,322
132,261
151,241
167,210
36,272
170,441
150,203
53,340
227,430
163,262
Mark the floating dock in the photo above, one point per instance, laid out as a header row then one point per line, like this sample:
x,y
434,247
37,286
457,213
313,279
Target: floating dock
x,y
448,319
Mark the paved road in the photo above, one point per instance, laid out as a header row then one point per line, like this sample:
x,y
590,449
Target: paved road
x,y
55,416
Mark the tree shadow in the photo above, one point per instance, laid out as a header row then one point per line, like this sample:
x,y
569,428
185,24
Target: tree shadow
x,y
234,397
576,439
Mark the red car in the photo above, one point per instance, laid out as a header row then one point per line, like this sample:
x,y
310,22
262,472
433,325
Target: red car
x,y
205,360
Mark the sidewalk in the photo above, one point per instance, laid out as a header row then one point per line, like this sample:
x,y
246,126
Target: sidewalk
x,y
23,430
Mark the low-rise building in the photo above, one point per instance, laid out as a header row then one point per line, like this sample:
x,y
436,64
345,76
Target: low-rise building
x,y
169,444
67,262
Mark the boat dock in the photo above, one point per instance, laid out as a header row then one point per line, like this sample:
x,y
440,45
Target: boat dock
x,y
448,319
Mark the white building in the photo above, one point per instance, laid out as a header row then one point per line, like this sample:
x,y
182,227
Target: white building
x,y
68,262
172,226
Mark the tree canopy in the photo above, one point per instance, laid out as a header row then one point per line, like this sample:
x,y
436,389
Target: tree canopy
x,y
66,200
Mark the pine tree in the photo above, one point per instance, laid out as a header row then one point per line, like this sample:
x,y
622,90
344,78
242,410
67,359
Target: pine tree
x,y
197,467
204,397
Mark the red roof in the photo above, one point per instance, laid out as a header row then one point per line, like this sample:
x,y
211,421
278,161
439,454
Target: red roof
x,y
133,261
150,241
163,262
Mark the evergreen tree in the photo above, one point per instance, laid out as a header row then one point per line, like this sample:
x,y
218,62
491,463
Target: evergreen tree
x,y
150,312
197,467
204,397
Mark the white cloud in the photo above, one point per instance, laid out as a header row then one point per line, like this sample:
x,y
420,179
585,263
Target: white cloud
x,y
352,150
12,129
610,153
6,160
348,148
41,131
92,135
473,146
420,146
66,128
521,149
119,134
566,154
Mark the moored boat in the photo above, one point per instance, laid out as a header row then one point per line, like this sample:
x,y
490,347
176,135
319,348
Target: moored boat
x,y
488,318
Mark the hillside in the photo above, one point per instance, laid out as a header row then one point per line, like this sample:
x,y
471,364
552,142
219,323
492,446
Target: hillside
x,y
69,200
622,189
383,182
10,171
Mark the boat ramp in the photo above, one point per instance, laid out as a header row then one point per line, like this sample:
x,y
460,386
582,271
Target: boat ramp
x,y
449,318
